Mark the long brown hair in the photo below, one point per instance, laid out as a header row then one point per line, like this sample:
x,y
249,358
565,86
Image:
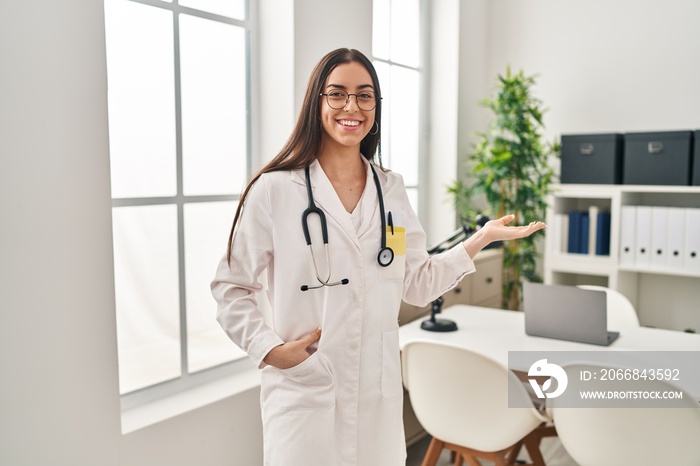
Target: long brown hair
x,y
304,144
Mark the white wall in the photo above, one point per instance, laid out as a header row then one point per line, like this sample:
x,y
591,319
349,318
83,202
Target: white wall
x,y
226,433
474,81
272,58
443,110
605,66
60,403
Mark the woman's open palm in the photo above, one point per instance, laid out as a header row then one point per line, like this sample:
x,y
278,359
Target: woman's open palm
x,y
498,229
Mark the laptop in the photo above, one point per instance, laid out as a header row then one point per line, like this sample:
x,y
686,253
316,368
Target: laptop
x,y
567,313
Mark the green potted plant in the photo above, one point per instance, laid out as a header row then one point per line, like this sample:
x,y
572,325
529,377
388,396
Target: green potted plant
x,y
510,167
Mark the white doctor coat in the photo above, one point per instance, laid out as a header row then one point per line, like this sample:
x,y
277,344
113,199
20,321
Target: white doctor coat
x,y
343,405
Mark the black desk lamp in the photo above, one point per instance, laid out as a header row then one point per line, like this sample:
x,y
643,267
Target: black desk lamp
x,y
438,325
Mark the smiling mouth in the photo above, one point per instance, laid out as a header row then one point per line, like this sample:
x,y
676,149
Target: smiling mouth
x,y
351,123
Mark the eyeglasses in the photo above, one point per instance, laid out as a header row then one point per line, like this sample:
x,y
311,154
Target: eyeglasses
x,y
338,99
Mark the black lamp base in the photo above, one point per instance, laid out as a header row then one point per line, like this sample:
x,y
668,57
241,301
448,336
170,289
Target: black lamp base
x,y
438,325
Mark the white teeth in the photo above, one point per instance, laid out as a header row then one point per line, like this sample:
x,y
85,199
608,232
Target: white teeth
x,y
349,122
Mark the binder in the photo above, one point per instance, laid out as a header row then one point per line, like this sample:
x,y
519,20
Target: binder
x,y
561,232
691,263
592,229
642,256
602,247
628,234
676,237
574,237
564,223
659,232
585,225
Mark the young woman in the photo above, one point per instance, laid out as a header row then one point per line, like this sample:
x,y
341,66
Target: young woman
x,y
341,248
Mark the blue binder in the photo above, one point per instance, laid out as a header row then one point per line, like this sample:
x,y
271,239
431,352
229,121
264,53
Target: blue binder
x,y
574,232
602,247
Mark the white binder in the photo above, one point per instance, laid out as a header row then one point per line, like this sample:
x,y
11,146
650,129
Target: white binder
x,y
691,262
561,233
659,237
628,225
676,237
642,253
592,229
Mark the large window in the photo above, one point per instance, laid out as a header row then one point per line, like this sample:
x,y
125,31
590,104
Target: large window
x,y
178,79
396,48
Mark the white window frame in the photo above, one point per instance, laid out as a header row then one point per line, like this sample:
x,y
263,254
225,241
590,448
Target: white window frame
x,y
187,380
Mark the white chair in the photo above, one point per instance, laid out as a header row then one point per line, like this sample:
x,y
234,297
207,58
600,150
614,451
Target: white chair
x,y
621,313
461,399
614,436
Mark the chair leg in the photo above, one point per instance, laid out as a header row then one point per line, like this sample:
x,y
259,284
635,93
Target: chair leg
x,y
513,453
458,459
471,461
504,457
433,453
532,443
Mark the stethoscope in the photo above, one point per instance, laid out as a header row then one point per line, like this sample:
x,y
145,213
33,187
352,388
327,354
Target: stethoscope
x,y
385,256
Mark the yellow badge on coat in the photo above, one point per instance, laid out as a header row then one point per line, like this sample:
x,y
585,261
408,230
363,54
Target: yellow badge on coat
x,y
396,240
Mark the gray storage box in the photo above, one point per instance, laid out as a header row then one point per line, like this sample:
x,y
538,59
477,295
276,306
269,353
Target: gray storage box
x,y
591,158
658,158
696,159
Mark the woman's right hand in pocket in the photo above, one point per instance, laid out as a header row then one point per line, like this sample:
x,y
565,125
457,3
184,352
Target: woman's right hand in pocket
x,y
292,353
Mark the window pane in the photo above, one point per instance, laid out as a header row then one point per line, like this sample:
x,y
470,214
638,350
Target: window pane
x,y
231,8
206,233
213,70
147,297
405,32
141,99
405,123
381,31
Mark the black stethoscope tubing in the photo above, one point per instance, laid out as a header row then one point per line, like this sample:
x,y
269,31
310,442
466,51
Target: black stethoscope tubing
x,y
385,256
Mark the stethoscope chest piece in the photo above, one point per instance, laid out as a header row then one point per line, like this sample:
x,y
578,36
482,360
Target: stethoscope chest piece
x,y
385,257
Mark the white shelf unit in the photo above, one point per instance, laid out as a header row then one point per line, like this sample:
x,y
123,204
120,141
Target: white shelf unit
x,y
664,298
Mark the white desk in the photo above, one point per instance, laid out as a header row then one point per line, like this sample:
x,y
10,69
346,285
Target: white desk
x,y
494,332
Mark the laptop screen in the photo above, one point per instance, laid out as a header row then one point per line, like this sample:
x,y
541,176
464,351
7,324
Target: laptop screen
x,y
565,313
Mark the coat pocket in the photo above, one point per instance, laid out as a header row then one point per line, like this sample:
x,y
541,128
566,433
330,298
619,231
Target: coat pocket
x,y
395,270
391,365
308,385
304,437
